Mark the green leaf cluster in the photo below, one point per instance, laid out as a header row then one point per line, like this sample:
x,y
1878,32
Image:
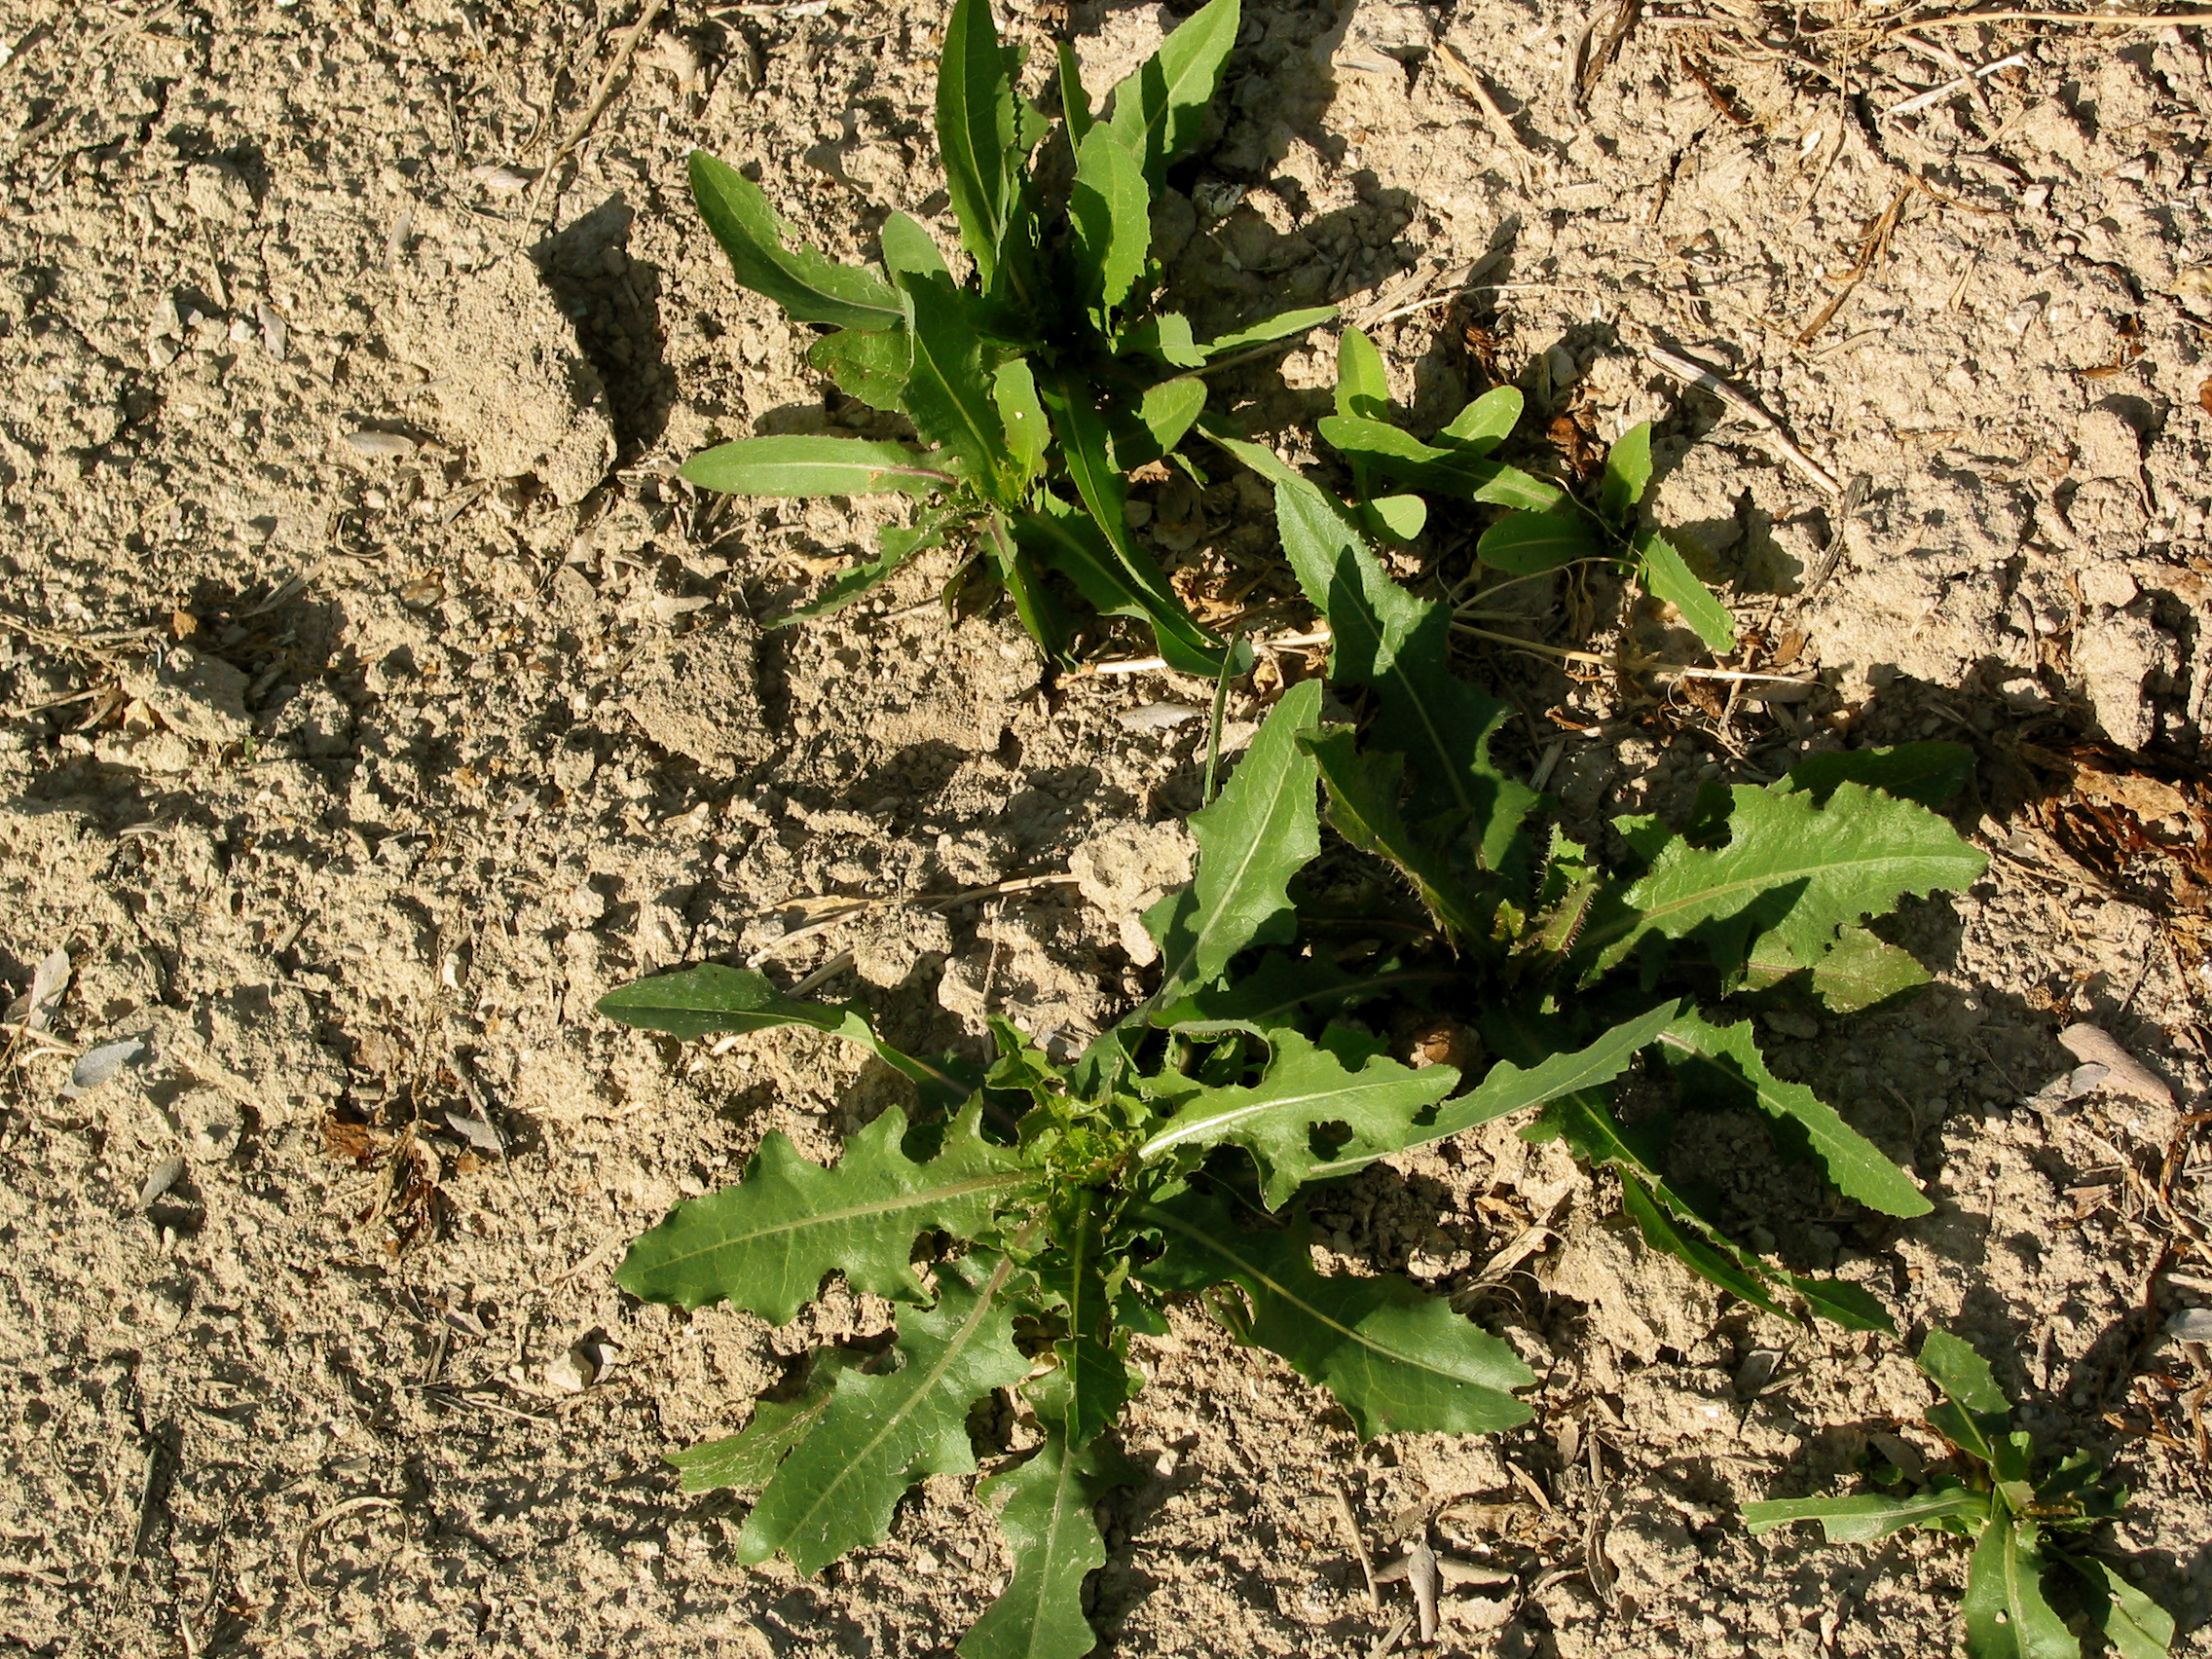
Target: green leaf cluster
x,y
1024,1228
1041,378
1025,1218
2022,1524
1544,529
1546,954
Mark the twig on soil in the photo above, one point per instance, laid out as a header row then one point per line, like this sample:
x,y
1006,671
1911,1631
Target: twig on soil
x,y
1146,665
604,93
601,96
1873,250
1705,379
1627,665
2111,19
1359,1546
352,1507
1478,91
1963,83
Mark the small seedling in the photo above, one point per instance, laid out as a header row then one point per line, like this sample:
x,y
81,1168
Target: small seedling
x,y
1039,380
1542,950
2015,1516
1546,528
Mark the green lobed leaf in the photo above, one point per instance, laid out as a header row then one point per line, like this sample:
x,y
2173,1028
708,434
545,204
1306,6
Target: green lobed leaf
x,y
1462,473
2006,1614
1628,471
708,998
1842,1303
1977,1414
1399,517
1363,386
1867,1519
1111,212
1386,638
1860,970
1486,423
765,1243
1398,1360
2133,1626
1049,1514
1507,1088
1666,576
1276,993
1703,1253
1281,326
975,129
803,465
1721,1065
808,285
1041,615
897,546
879,1435
1347,1078
1788,868
1087,452
1929,773
1261,830
1160,111
1672,1224
748,1458
1363,788
1028,433
909,251
868,366
1528,545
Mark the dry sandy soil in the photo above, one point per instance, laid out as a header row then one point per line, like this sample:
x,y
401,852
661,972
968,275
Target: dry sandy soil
x,y
375,699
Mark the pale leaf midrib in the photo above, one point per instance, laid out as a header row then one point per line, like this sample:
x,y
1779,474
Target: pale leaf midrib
x,y
852,1212
956,1346
1254,846
1208,1241
1769,879
1179,1130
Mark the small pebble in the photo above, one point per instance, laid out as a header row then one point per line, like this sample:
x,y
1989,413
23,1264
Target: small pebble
x,y
380,446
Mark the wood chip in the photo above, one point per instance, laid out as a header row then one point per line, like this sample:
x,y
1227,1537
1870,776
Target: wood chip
x,y
2126,1074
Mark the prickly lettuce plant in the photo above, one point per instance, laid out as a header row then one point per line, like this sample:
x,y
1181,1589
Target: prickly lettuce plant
x,y
1025,1223
1546,528
2014,1516
1542,949
1041,377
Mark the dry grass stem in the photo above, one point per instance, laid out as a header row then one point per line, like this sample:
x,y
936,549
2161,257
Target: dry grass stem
x,y
1478,91
1705,379
1873,250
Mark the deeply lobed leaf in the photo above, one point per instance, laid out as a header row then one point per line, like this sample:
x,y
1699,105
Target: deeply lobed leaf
x,y
811,287
1790,868
1386,638
1049,1514
1346,1077
879,1435
1721,1065
1395,1360
765,1243
710,998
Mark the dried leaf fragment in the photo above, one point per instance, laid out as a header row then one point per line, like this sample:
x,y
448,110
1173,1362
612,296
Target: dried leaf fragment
x,y
2126,1074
